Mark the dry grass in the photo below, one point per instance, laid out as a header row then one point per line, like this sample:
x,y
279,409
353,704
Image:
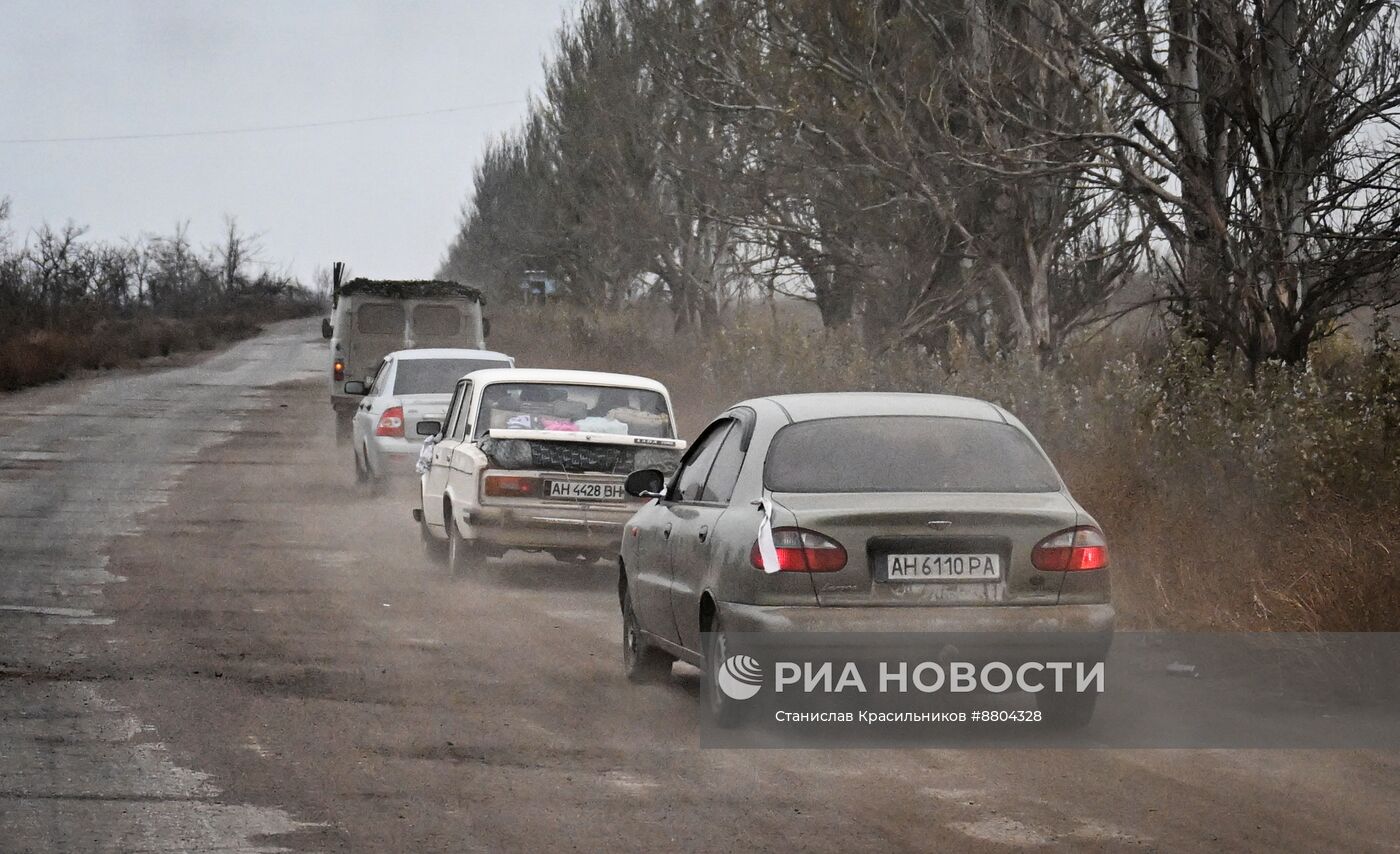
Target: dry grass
x,y
1229,504
44,355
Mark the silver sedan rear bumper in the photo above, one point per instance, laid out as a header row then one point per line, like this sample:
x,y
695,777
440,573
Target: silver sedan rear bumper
x,y
1002,633
1087,619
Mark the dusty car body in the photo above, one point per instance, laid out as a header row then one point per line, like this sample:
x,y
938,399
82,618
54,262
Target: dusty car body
x,y
536,460
897,512
407,387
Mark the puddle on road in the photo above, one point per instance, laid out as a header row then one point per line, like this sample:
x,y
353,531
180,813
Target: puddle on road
x,y
35,455
66,616
48,611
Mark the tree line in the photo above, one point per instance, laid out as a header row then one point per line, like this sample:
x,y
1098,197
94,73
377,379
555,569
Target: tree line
x,y
56,278
1004,170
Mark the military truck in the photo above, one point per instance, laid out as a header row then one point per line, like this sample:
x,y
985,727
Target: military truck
x,y
373,317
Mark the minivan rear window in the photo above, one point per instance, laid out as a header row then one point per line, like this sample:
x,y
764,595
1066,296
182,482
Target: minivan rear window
x,y
437,376
905,453
379,319
429,319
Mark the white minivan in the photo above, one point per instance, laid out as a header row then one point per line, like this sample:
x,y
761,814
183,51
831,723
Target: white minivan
x,y
372,318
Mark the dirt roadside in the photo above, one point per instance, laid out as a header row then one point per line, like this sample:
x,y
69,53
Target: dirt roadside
x,y
285,634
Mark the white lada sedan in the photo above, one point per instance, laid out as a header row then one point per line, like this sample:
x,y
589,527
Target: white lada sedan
x,y
536,460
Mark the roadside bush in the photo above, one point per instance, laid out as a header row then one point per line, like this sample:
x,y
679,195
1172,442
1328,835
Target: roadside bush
x,y
68,303
44,355
1231,501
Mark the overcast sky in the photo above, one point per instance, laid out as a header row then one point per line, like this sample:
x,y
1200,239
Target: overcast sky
x,y
383,196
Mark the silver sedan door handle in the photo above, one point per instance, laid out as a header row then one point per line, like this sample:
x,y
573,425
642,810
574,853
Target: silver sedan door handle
x,y
666,531
704,532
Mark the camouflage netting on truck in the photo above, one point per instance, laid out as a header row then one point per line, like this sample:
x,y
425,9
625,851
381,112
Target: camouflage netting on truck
x,y
597,458
409,289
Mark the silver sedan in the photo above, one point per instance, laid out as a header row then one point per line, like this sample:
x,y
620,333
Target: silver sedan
x,y
408,386
887,512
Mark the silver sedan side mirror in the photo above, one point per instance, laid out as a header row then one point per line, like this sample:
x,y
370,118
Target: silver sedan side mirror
x,y
645,483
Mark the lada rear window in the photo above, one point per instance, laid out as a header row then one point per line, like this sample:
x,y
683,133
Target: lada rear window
x,y
567,407
899,453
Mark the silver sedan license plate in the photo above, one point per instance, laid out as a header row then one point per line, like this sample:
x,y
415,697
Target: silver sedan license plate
x,y
584,491
944,567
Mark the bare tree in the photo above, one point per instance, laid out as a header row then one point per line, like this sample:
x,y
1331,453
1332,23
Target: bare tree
x,y
1265,156
234,254
998,166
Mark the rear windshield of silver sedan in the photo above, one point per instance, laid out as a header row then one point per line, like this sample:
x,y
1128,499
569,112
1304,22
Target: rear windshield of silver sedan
x,y
905,453
437,376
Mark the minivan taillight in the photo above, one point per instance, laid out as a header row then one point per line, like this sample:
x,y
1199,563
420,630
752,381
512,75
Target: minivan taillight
x,y
1071,550
339,370
801,550
391,423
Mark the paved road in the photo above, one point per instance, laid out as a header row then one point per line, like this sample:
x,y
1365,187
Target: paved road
x,y
210,641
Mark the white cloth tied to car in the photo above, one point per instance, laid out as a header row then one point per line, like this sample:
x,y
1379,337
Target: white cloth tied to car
x,y
767,549
425,455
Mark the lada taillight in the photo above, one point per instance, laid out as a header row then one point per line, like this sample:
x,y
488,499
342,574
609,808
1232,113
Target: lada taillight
x,y
510,486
